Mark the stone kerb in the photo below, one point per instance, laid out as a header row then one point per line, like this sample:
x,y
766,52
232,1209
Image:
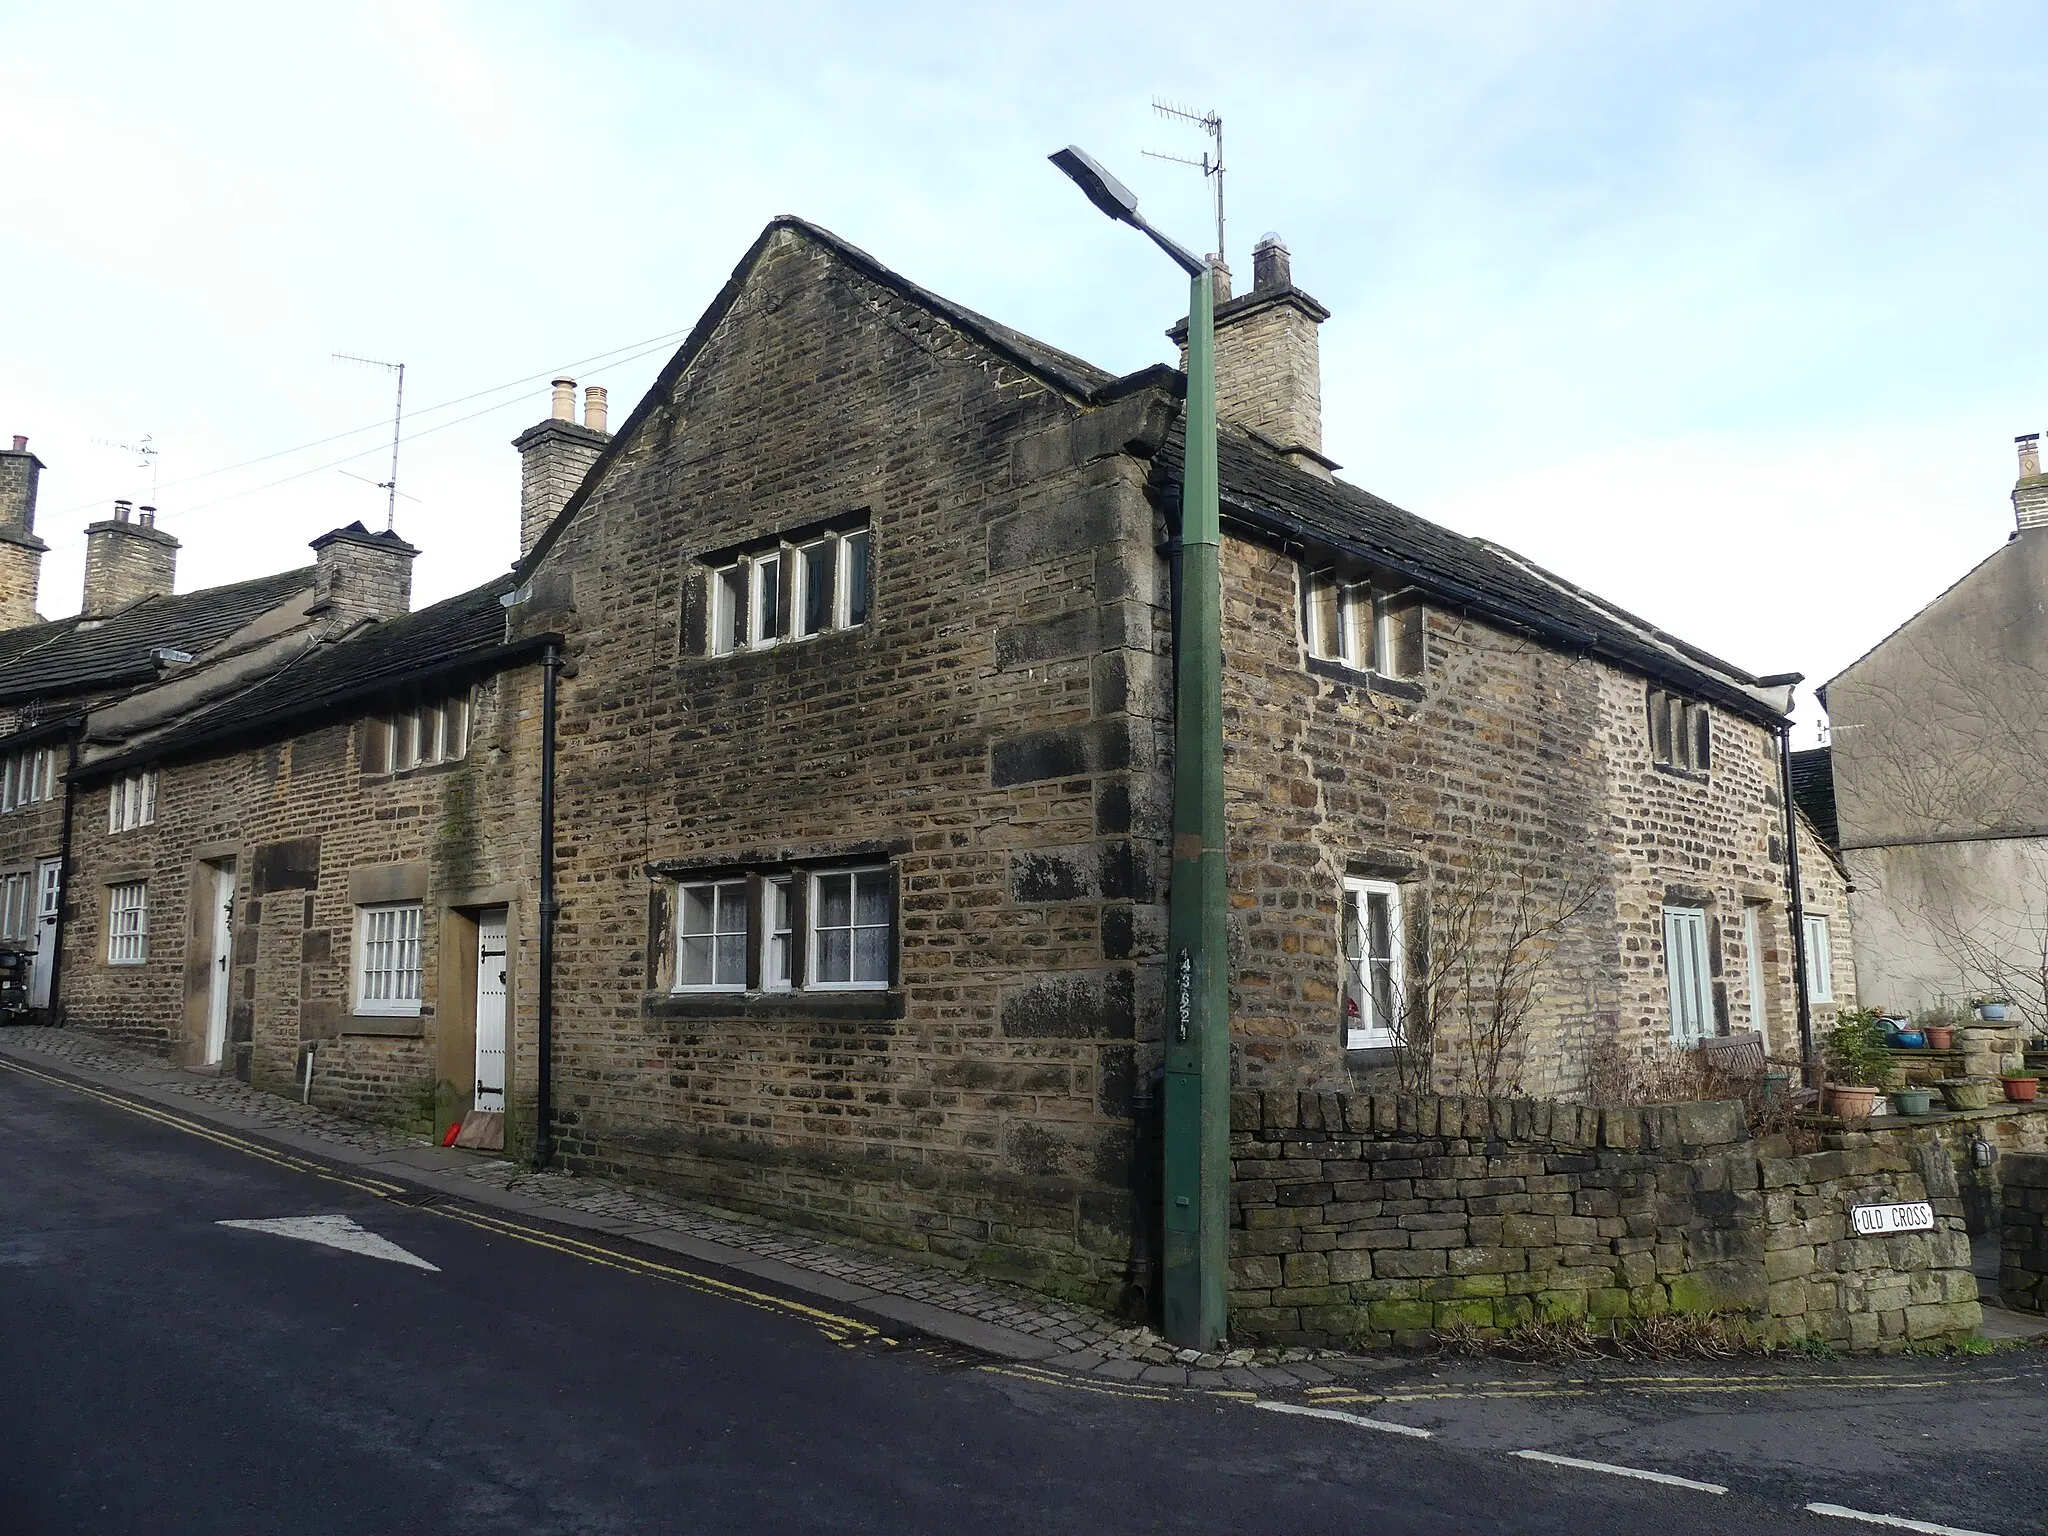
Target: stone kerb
x,y
2023,1233
1377,1220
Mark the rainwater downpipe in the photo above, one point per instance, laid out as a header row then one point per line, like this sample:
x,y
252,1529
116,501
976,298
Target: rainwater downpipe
x,y
544,1044
1809,1068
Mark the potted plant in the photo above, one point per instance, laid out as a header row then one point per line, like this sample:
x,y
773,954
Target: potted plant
x,y
2022,1087
1857,1061
1966,1092
1991,1009
1912,1101
1939,1024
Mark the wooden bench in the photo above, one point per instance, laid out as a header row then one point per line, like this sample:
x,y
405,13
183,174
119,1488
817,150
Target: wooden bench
x,y
1739,1056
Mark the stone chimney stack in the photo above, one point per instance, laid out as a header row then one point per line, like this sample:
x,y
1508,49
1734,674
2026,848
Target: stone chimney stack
x,y
361,575
21,552
1269,374
126,561
2030,492
555,456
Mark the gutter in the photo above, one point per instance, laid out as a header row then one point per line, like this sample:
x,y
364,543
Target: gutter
x,y
544,1043
1797,907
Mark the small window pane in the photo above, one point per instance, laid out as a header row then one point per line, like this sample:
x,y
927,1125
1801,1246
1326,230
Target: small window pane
x,y
856,578
728,609
458,726
1323,626
818,560
777,916
835,955
852,926
767,621
711,939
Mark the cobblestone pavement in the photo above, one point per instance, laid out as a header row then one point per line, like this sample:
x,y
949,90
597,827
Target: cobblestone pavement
x,y
1087,1341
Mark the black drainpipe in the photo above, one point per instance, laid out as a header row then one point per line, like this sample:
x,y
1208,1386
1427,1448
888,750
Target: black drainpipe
x,y
63,870
544,1071
1809,1066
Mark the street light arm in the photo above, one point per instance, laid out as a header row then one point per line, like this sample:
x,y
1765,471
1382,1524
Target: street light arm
x,y
1189,262
1119,202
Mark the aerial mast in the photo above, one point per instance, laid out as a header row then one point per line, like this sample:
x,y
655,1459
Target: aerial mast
x,y
1210,166
397,419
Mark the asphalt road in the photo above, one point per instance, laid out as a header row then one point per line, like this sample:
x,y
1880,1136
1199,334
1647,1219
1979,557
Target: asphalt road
x,y
161,1372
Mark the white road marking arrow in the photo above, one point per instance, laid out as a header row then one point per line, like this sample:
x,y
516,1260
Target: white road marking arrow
x,y
336,1232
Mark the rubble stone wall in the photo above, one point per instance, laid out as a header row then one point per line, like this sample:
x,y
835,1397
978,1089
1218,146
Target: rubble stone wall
x,y
1376,1220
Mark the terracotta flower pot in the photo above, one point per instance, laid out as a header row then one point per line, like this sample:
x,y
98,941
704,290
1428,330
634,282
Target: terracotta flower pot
x,y
1941,1037
1850,1103
2022,1090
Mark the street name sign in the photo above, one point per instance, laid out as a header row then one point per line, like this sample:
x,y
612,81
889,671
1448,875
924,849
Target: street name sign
x,y
1882,1220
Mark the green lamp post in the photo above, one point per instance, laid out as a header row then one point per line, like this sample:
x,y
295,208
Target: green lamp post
x,y
1197,1100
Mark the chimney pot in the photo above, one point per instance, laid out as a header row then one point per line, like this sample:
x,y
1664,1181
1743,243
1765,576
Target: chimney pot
x,y
122,509
1272,270
147,516
594,407
20,443
565,400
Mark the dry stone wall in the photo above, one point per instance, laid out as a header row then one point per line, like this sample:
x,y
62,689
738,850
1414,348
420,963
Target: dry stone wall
x,y
2023,1237
1375,1220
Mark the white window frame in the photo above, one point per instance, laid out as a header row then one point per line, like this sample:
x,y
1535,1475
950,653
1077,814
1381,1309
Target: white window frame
x,y
1371,1016
758,581
18,906
842,592
128,923
1820,959
131,801
724,616
1753,948
27,777
853,928
1688,974
389,934
727,895
778,923
800,608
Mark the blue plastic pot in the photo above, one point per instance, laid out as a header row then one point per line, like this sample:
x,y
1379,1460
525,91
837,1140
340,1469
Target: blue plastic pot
x,y
1991,1013
1910,1039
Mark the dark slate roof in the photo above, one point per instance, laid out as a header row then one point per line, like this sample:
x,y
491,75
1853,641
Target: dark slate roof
x,y
463,632
76,655
1813,791
1260,487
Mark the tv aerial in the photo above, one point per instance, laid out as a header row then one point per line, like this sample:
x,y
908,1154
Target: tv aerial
x,y
397,419
1211,166
145,456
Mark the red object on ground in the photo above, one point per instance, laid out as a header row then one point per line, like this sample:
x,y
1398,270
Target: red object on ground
x,y
454,1131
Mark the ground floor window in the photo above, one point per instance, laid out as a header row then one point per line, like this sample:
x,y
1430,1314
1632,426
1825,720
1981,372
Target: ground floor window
x,y
128,924
829,930
1686,968
711,936
1372,963
18,906
1820,961
388,972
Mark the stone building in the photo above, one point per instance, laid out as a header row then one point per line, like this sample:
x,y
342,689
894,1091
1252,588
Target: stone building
x,y
865,774
1937,741
862,786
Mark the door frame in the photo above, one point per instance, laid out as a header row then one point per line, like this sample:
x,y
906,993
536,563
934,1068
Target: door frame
x,y
220,961
454,1023
503,923
43,971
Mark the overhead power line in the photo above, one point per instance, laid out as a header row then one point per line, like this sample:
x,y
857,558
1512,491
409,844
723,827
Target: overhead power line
x,y
649,342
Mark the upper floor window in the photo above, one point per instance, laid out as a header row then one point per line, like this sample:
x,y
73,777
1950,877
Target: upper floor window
x,y
1362,625
791,591
132,801
27,777
418,734
1681,731
1687,969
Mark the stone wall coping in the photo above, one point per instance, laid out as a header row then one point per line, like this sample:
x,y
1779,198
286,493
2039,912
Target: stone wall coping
x,y
1276,1115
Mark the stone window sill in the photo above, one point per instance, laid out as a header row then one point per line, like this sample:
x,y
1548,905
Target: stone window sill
x,y
1374,682
400,1027
774,1005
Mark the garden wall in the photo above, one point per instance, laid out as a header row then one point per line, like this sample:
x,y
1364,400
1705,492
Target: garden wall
x,y
1376,1220
2023,1241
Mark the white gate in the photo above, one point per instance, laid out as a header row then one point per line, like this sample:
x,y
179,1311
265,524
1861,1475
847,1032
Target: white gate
x,y
49,884
490,1010
223,947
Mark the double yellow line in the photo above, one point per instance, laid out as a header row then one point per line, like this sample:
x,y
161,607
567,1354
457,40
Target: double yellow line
x,y
849,1332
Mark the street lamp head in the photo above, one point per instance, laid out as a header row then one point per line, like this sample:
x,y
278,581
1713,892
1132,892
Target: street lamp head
x,y
1103,189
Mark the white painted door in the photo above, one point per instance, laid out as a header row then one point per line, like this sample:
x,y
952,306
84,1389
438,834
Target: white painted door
x,y
223,947
490,1010
49,882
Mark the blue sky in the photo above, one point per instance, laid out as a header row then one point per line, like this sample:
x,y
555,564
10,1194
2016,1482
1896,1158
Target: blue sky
x,y
1726,311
